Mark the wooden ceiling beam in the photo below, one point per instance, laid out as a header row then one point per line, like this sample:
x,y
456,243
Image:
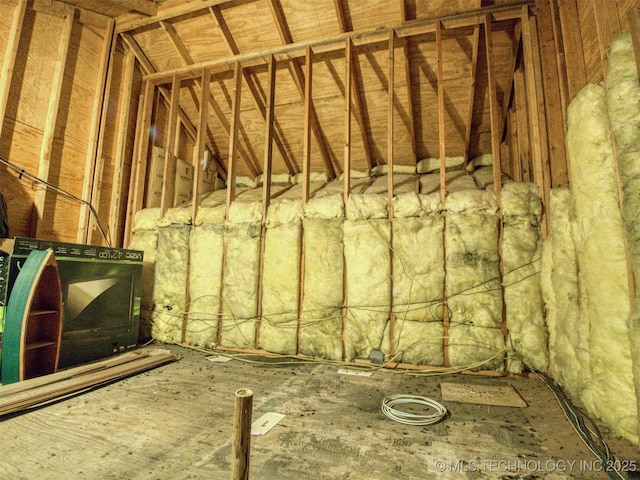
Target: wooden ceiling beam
x,y
105,7
298,78
253,88
361,118
295,51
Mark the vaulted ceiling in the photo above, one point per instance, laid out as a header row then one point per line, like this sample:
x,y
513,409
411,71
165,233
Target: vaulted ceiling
x,y
439,82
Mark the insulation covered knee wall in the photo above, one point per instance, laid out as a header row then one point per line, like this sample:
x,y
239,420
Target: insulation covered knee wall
x,y
341,282
473,287
606,388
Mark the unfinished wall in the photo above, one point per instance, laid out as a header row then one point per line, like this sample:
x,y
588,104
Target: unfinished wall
x,y
596,335
54,69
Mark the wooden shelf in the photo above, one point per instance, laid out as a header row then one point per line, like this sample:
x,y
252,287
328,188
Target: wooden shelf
x,y
36,345
37,313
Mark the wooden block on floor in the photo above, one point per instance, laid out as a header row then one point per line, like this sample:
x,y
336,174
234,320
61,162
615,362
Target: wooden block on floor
x,y
497,395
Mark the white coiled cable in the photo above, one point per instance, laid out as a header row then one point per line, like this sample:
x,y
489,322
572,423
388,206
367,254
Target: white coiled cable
x,y
388,404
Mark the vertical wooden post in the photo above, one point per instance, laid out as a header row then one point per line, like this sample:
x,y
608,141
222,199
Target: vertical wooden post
x,y
472,90
443,168
241,446
9,61
198,173
139,168
634,29
94,166
537,128
266,183
348,82
48,134
233,137
495,153
124,112
200,148
169,171
308,105
390,126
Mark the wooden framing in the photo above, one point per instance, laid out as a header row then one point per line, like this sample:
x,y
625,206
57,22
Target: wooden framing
x,y
553,107
298,78
8,63
353,80
124,111
406,48
472,90
169,168
293,51
266,182
95,161
50,123
251,84
533,100
497,164
443,179
308,107
142,150
390,160
233,137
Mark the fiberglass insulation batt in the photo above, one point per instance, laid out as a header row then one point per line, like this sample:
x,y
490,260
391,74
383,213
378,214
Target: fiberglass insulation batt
x,y
321,316
172,264
521,257
145,238
568,332
598,234
281,277
206,246
623,103
240,274
473,288
368,273
418,279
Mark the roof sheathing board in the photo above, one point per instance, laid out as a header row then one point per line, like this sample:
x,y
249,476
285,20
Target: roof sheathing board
x,y
252,26
201,36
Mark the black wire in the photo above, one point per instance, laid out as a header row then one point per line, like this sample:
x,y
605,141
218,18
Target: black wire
x,y
23,173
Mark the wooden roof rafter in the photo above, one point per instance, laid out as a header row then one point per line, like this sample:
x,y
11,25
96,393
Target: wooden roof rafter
x,y
298,78
295,51
188,60
358,100
253,88
148,8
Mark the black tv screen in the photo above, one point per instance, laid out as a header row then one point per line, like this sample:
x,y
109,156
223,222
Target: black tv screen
x,y
97,303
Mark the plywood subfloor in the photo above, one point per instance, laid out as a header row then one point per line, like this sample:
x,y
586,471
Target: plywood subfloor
x,y
175,422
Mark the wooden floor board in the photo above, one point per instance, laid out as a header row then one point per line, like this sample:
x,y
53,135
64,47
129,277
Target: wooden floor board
x,y
175,422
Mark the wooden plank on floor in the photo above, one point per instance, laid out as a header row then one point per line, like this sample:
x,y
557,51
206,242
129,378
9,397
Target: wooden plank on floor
x,y
32,392
498,395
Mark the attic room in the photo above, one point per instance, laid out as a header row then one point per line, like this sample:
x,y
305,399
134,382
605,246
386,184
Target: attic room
x,y
331,239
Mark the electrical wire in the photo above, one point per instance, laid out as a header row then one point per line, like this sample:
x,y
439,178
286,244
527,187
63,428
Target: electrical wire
x,y
94,214
389,403
586,429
